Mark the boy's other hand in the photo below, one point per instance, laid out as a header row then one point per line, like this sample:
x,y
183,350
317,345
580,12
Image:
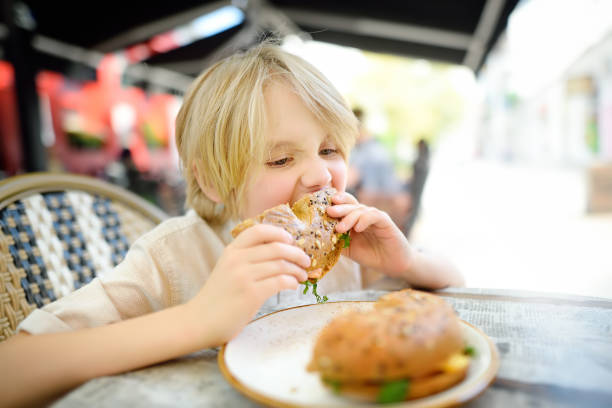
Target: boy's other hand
x,y
259,263
376,242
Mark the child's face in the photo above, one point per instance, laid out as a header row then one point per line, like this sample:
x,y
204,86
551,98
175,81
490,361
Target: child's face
x,y
301,158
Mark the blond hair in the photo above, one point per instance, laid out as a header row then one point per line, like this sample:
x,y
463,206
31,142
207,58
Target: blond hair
x,y
220,126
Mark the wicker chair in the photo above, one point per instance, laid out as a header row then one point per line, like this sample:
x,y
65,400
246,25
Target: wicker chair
x,y
59,231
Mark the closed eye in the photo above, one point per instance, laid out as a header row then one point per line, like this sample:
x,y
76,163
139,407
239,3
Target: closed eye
x,y
328,152
280,162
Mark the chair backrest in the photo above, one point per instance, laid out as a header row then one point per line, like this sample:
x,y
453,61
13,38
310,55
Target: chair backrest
x,y
58,232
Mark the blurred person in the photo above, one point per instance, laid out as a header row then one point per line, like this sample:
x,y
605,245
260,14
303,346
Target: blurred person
x,y
420,170
284,131
371,175
123,171
126,173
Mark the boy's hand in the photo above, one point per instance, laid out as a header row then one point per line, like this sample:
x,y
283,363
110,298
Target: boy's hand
x,y
259,263
376,242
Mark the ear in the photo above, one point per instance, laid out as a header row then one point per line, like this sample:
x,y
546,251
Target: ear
x,y
209,191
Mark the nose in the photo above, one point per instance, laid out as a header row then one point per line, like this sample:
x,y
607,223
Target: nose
x,y
316,175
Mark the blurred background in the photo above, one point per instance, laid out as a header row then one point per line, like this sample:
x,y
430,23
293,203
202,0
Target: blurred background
x,y
486,124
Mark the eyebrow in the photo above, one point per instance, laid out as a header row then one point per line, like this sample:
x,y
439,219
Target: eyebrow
x,y
288,144
282,145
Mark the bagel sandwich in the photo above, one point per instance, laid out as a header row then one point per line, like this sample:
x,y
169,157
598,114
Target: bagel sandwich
x,y
409,345
311,228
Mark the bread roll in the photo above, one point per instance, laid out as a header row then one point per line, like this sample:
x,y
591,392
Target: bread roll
x,y
408,334
313,230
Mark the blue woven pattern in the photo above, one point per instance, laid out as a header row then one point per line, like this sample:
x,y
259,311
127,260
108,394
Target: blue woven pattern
x,y
68,231
25,255
111,229
54,242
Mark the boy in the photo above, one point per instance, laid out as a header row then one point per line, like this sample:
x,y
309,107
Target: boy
x,y
256,130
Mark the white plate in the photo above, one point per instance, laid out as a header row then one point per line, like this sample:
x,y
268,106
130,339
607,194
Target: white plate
x,y
267,361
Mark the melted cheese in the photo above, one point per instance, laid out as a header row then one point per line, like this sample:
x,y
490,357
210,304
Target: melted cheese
x,y
456,362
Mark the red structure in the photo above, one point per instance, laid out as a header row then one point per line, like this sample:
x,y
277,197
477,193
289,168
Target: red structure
x,y
10,154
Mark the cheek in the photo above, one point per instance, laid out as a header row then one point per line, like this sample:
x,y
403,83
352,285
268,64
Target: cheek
x,y
266,192
338,172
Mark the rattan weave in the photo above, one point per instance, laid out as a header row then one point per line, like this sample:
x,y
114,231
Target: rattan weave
x,y
57,233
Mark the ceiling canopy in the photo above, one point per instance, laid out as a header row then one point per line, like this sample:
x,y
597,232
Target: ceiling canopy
x,y
452,31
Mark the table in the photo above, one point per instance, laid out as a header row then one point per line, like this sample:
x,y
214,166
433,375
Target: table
x,y
555,350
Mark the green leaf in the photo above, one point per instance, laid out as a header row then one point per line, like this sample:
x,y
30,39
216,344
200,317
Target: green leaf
x,y
314,292
346,238
394,391
469,350
334,384
307,284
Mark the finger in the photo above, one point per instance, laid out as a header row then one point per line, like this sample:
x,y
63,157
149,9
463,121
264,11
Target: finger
x,y
350,220
266,270
370,217
261,234
340,210
275,284
362,218
277,251
343,197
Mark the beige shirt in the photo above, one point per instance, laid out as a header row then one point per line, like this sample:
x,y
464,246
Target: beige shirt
x,y
165,267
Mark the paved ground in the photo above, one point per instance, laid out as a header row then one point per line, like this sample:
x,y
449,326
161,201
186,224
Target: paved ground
x,y
513,226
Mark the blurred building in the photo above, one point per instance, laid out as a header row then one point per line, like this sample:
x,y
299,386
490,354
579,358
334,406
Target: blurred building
x,y
547,92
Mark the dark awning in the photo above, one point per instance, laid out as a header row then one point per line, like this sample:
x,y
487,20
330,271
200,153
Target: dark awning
x,y
453,31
